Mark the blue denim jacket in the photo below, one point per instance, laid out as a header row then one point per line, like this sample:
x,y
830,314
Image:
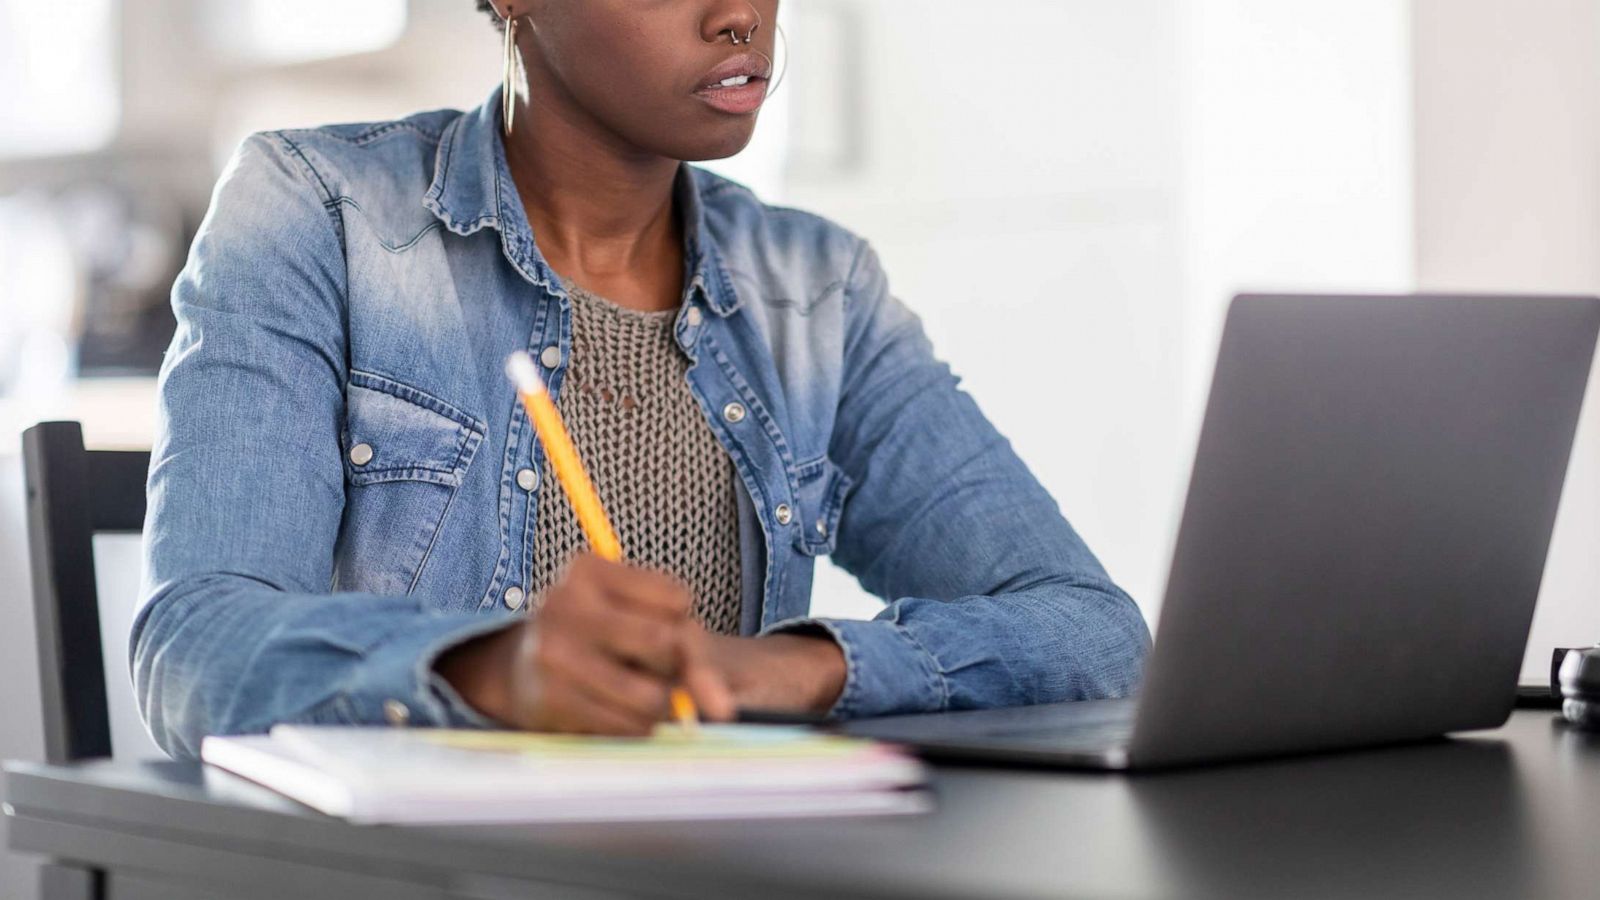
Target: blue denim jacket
x,y
362,285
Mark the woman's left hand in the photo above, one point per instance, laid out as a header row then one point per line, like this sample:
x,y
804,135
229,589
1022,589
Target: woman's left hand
x,y
781,672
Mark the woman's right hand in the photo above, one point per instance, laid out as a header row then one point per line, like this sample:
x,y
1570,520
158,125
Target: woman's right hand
x,y
602,656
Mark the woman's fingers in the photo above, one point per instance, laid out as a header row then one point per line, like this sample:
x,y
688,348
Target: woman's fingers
x,y
586,692
642,590
576,711
670,655
587,605
617,685
611,643
644,642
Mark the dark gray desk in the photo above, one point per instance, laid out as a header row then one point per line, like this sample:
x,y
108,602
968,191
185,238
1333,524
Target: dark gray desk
x,y
1511,813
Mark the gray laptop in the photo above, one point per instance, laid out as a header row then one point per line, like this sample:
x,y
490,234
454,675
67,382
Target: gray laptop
x,y
1368,515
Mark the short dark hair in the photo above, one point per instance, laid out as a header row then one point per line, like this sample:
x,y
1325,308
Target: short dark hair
x,y
484,7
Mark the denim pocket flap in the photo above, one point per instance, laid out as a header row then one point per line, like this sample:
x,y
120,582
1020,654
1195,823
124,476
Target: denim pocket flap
x,y
394,432
822,491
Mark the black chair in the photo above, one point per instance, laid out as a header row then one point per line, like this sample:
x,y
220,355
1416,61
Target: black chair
x,y
74,494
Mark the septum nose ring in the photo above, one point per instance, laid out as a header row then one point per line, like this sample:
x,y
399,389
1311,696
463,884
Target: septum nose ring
x,y
734,35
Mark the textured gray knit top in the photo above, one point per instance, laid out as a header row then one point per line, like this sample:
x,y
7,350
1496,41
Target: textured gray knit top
x,y
666,483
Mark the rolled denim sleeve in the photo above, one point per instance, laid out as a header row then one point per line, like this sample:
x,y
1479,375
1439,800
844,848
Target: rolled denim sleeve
x,y
993,598
239,626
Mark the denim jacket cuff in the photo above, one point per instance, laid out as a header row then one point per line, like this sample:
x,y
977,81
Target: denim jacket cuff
x,y
886,670
401,671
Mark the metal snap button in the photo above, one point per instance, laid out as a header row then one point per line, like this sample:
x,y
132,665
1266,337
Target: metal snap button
x,y
733,413
784,513
361,454
396,713
694,317
514,598
528,479
551,357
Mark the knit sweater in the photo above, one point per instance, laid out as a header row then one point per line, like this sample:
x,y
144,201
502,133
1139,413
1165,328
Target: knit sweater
x,y
666,482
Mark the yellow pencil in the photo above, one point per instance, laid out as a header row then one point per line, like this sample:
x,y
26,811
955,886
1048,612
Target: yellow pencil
x,y
563,456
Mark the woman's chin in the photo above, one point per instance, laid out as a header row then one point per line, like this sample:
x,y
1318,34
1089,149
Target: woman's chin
x,y
716,143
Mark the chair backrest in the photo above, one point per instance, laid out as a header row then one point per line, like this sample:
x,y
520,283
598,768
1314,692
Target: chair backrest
x,y
74,494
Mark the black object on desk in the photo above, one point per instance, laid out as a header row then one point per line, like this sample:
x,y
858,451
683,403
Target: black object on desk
x,y
1579,679
1544,696
1536,696
1487,816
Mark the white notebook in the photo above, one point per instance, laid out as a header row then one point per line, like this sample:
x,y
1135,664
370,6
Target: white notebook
x,y
416,776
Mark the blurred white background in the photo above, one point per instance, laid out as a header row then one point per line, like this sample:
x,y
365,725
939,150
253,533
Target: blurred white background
x,y
1068,191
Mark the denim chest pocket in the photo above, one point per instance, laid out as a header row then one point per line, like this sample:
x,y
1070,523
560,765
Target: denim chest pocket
x,y
822,489
405,455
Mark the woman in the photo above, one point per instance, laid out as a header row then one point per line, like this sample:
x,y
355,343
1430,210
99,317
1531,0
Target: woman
x,y
350,519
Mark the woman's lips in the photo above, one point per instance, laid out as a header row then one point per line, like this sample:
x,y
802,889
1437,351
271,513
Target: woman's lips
x,y
738,86
736,99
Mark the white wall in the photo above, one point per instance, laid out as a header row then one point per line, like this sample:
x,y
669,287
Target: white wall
x,y
1297,157
1508,199
1018,171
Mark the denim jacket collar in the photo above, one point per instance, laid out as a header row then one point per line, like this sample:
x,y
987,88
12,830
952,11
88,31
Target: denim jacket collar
x,y
473,189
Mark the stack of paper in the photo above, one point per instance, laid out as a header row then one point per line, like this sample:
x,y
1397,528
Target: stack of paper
x,y
435,776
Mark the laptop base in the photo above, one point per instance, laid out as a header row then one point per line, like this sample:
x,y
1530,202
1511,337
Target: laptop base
x,y
1089,734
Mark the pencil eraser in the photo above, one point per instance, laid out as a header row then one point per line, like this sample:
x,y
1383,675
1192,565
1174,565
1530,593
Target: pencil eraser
x,y
523,373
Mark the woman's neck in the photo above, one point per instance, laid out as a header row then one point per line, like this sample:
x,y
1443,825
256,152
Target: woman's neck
x,y
602,214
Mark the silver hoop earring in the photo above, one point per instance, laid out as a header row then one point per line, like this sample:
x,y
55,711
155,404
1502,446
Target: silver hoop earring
x,y
783,39
513,64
